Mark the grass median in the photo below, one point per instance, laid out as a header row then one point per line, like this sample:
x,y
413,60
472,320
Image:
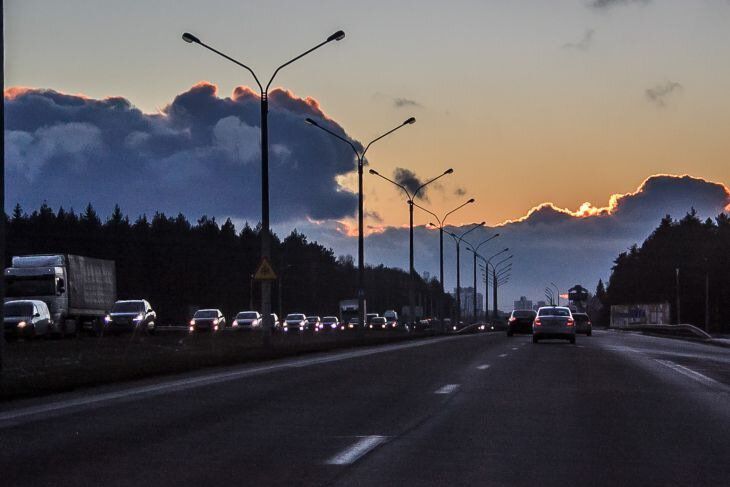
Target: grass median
x,y
40,367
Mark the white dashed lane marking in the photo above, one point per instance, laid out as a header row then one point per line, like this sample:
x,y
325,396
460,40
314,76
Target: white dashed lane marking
x,y
483,367
503,355
357,450
447,389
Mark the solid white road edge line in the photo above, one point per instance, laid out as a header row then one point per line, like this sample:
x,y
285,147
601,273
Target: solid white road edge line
x,y
687,372
13,417
447,389
357,450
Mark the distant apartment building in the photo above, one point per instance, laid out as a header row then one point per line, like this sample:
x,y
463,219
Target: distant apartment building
x,y
523,303
467,301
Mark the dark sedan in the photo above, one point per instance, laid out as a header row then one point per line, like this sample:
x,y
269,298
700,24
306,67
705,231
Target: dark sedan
x,y
520,321
553,322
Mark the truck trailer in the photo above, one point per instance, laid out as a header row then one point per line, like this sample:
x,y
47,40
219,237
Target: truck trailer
x,y
79,291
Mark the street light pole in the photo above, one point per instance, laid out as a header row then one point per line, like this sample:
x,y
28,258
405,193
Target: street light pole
x,y
440,226
458,239
411,202
475,250
265,220
557,291
360,155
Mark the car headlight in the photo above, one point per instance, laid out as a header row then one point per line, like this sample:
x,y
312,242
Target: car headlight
x,y
192,328
22,324
192,323
215,321
107,319
139,317
350,325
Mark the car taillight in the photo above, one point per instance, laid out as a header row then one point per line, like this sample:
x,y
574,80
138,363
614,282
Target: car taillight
x,y
512,318
570,322
538,322
589,323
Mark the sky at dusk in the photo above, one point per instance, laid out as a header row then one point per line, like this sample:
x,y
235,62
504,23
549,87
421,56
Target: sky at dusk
x,y
566,101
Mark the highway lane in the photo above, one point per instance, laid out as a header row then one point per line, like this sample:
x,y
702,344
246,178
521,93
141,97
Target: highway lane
x,y
615,409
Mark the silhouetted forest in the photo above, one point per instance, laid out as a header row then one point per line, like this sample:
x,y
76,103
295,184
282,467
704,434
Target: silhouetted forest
x,y
699,249
179,266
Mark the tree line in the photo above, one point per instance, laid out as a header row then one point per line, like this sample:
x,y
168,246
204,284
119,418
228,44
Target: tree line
x,y
181,266
698,250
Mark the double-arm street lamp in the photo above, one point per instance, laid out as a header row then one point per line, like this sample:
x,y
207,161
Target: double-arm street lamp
x,y
458,239
411,200
488,263
265,227
475,250
440,226
557,291
360,155
549,295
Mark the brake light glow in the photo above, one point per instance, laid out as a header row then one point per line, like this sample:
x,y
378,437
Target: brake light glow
x,y
570,322
512,318
538,322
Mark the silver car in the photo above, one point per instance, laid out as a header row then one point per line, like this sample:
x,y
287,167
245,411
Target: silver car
x,y
553,322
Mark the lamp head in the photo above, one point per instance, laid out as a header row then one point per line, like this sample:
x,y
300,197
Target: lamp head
x,y
410,121
190,38
374,172
449,171
337,36
471,200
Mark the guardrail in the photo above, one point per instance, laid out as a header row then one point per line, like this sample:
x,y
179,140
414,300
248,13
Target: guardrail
x,y
683,329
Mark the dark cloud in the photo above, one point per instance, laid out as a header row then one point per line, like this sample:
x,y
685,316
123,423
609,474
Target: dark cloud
x,y
659,93
603,4
549,244
584,43
200,155
405,102
408,178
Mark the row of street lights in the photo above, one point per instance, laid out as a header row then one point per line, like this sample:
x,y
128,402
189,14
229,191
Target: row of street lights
x,y
361,160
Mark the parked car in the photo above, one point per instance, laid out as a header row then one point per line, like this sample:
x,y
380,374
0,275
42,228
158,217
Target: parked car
x,y
26,318
208,319
553,322
248,321
330,323
378,323
520,321
314,323
583,323
130,315
295,322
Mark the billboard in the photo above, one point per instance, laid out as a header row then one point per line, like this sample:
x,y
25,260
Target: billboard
x,y
625,315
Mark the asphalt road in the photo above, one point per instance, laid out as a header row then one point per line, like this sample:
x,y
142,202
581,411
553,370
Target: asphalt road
x,y
615,409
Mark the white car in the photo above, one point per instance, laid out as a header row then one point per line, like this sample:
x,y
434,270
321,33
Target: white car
x,y
248,320
296,322
26,318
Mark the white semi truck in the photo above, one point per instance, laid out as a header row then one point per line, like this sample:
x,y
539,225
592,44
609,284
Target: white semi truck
x,y
79,291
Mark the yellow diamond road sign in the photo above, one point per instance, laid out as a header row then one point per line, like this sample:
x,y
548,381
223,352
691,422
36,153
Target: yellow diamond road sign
x,y
265,272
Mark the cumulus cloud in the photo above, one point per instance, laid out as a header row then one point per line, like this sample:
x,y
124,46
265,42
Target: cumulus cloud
x,y
200,155
659,93
549,243
604,4
584,43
